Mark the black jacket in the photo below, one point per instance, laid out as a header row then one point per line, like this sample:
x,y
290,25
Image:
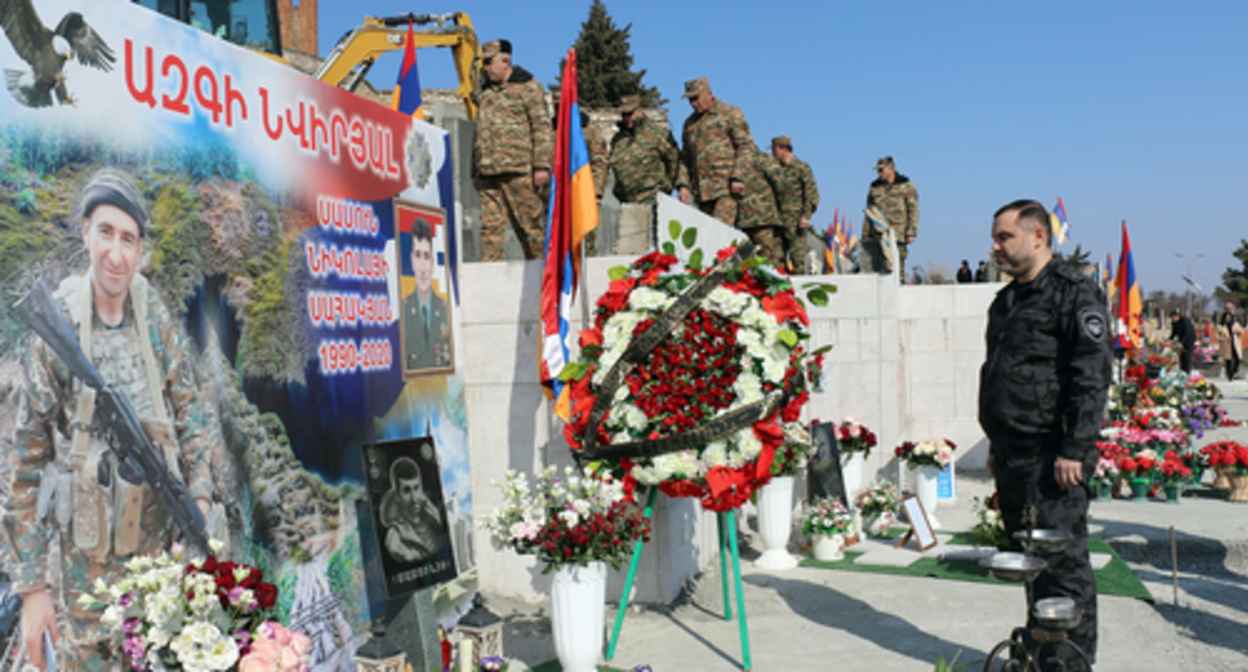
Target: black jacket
x,y
1043,386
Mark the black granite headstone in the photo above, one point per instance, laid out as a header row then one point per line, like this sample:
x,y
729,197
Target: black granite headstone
x,y
824,477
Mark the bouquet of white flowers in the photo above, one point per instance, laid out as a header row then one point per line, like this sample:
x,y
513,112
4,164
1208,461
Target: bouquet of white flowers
x,y
167,614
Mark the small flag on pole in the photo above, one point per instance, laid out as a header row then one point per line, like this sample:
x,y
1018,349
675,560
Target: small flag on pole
x,y
407,89
1130,304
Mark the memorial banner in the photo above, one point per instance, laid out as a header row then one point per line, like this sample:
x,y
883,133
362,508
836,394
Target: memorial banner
x,y
285,230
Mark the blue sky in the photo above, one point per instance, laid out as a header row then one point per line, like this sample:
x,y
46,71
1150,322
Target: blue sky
x,y
1127,110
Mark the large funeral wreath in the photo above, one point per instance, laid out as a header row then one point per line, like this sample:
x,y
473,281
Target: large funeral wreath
x,y
694,379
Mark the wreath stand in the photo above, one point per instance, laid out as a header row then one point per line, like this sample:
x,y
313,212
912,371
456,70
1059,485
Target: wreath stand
x,y
727,523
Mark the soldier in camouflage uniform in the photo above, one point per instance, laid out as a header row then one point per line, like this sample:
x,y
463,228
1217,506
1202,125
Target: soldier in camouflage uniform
x,y
759,212
799,198
896,197
102,520
511,155
716,153
599,167
645,158
1042,398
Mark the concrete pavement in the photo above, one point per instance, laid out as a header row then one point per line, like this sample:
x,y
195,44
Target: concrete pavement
x,y
815,619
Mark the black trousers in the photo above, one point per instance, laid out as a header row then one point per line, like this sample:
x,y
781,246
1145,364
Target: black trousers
x,y
1022,480
1185,359
1232,366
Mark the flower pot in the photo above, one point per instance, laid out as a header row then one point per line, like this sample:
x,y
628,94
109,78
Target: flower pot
x,y
829,548
1239,488
1173,492
775,522
578,597
1104,490
878,525
1222,479
925,487
851,473
1139,489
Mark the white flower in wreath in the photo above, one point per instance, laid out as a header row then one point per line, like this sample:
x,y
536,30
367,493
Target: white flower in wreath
x,y
716,454
727,303
774,367
748,445
748,388
570,518
634,418
645,298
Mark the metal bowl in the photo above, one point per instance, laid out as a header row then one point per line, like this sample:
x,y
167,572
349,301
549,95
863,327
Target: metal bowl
x,y
1043,541
1057,613
1014,566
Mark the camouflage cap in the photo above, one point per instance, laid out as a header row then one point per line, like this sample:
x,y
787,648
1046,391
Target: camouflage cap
x,y
884,162
695,86
629,104
782,141
493,48
112,187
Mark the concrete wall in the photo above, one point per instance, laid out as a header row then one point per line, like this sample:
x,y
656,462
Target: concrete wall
x,y
905,361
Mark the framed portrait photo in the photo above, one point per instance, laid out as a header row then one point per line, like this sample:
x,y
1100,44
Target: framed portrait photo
x,y
426,324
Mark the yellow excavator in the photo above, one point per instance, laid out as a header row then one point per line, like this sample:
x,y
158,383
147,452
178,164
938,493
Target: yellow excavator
x,y
349,61
254,24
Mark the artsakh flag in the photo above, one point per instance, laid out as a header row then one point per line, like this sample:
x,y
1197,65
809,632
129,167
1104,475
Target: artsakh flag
x,y
573,214
407,89
1130,304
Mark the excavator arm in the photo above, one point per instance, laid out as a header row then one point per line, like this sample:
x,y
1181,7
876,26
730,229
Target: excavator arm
x,y
356,52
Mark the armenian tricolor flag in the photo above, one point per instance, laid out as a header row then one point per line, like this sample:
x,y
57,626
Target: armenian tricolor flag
x,y
407,89
1129,304
573,214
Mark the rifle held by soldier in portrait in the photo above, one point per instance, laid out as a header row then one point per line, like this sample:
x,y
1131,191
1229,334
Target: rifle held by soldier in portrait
x,y
139,459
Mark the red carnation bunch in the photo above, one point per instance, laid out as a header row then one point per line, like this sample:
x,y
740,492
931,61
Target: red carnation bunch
x,y
1227,454
1173,469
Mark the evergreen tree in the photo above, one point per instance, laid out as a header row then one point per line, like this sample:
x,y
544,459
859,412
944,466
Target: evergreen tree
x,y
604,63
1235,280
1077,260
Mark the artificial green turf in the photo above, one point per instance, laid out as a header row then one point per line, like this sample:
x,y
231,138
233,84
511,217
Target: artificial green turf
x,y
1115,578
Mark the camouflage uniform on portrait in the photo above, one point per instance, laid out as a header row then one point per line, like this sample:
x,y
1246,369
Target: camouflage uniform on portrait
x,y
513,138
645,159
1042,396
759,213
100,526
899,201
716,146
799,198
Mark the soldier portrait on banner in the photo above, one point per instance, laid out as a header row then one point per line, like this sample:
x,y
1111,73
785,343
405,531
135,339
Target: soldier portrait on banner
x,y
425,324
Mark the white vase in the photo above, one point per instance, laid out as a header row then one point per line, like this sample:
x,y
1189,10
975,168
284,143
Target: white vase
x,y
829,548
851,473
925,487
878,525
775,523
578,599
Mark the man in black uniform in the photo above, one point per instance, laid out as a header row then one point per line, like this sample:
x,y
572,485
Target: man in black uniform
x,y
1183,331
1042,394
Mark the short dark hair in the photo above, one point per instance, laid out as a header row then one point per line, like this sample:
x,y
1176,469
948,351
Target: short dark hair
x,y
403,469
1031,212
421,230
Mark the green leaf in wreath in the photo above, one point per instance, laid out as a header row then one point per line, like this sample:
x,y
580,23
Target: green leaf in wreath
x,y
669,248
573,371
617,272
818,297
689,238
695,259
673,227
788,337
